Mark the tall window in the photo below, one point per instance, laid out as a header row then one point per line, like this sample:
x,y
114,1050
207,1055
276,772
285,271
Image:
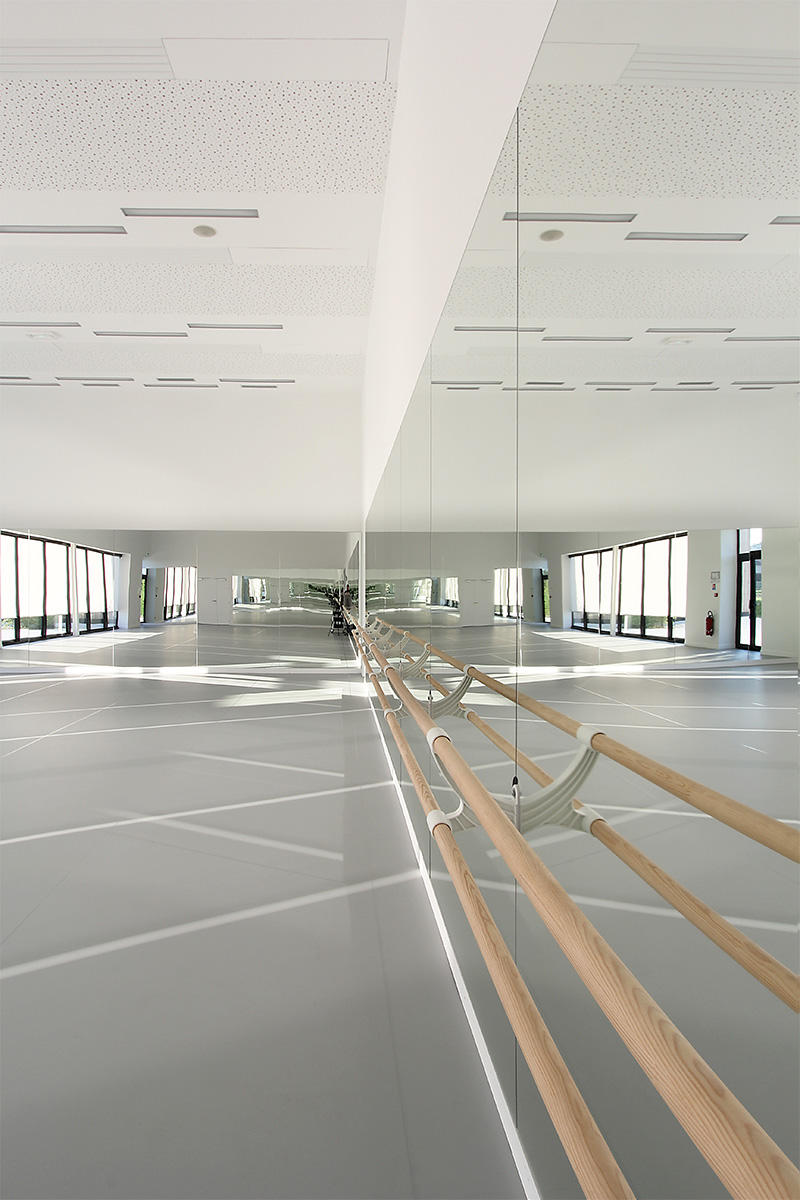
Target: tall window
x,y
450,590
508,592
591,590
97,586
180,592
652,588
34,588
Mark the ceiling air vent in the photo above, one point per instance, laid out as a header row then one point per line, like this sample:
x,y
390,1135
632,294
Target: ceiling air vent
x,y
705,67
85,59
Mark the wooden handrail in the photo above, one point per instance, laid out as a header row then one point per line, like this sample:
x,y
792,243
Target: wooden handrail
x,y
769,971
744,1157
587,1150
749,821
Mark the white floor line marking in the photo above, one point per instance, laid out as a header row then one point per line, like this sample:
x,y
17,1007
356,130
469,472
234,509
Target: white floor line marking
x,y
338,712
252,840
32,740
649,910
252,762
245,914
689,812
192,812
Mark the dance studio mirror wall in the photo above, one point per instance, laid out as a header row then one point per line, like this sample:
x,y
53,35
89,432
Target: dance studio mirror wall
x,y
577,483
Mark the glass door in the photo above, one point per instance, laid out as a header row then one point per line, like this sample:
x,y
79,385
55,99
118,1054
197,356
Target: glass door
x,y
748,591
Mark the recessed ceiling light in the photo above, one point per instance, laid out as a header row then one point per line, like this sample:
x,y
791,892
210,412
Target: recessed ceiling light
x,y
639,236
765,382
175,378
696,383
63,229
620,383
613,389
181,385
204,231
261,387
47,335
96,378
461,387
29,383
545,382
557,218
587,339
793,338
137,333
756,387
785,221
534,388
100,385
498,329
9,378
657,329
270,381
678,341
189,212
551,235
214,325
40,324
683,389
457,382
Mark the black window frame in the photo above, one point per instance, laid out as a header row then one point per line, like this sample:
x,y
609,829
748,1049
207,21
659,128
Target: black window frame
x,y
670,538
44,632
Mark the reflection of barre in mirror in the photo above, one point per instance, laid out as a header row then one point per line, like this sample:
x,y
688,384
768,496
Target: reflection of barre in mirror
x,y
741,1153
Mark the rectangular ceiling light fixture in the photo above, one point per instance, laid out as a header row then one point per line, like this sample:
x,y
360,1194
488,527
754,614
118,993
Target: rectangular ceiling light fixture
x,y
63,229
29,383
175,378
261,387
182,385
544,382
765,382
587,339
498,329
641,236
529,388
793,338
189,212
40,324
684,389
270,381
613,389
785,221
137,333
619,383
96,378
466,382
614,218
211,325
11,378
658,330
100,385
461,387
756,387
696,383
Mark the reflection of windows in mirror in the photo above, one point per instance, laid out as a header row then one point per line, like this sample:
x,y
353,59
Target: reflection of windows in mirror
x,y
652,588
34,588
508,592
546,595
449,591
97,583
421,591
180,592
748,590
590,581
249,589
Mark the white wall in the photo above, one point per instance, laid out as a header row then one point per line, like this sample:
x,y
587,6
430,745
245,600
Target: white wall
x,y
780,588
711,551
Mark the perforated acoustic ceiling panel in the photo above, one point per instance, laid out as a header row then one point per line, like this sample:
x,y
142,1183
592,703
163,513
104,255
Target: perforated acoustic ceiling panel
x,y
654,141
170,135
485,296
194,289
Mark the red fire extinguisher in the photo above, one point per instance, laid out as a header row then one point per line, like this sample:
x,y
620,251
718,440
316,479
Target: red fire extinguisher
x,y
710,624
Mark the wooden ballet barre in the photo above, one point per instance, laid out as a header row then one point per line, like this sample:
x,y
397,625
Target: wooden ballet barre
x,y
753,824
743,1156
769,971
587,1150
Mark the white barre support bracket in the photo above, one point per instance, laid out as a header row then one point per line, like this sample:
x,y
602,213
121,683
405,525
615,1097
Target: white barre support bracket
x,y
553,804
449,706
408,669
437,817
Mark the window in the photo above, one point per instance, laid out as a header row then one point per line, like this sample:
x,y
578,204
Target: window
x,y
546,595
748,590
180,592
97,589
450,592
652,588
34,588
591,590
508,592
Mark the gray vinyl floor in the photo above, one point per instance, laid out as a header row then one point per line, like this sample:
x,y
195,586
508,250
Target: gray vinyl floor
x,y
221,976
